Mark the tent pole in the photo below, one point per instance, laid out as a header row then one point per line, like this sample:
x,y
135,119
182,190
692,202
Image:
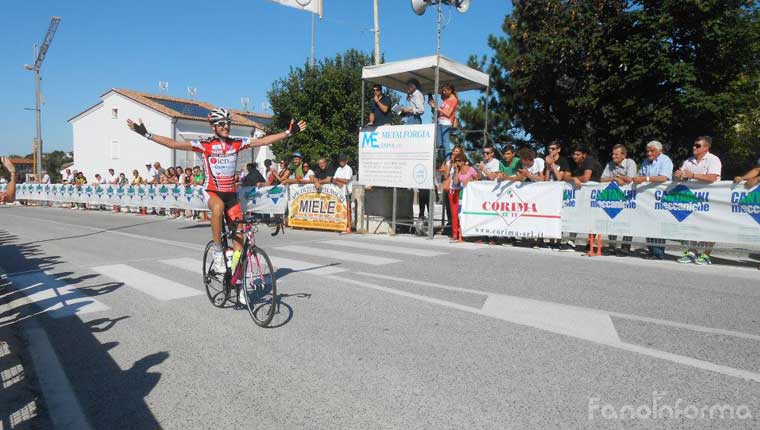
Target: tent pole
x,y
431,201
485,124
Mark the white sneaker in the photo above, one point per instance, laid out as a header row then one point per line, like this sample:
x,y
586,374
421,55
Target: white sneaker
x,y
242,296
219,262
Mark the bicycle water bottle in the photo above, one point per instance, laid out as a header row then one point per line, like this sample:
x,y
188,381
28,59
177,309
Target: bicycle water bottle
x,y
228,255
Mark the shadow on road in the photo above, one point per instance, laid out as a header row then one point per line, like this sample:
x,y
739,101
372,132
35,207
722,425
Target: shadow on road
x,y
112,396
77,236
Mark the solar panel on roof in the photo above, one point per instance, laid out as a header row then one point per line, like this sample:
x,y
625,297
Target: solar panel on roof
x,y
260,120
183,108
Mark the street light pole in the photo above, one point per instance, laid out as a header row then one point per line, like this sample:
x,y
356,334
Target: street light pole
x,y
39,57
38,122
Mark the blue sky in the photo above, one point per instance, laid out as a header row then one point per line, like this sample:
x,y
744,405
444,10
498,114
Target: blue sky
x,y
227,49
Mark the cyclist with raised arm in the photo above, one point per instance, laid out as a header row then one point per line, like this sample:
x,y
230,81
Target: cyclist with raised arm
x,y
219,160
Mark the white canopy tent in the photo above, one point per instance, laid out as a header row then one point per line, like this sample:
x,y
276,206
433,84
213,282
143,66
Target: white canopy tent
x,y
432,73
395,74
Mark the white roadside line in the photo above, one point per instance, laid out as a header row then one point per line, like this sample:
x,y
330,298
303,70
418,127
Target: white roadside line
x,y
61,402
587,324
657,321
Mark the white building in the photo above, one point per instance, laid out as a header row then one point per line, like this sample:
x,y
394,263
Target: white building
x,y
102,139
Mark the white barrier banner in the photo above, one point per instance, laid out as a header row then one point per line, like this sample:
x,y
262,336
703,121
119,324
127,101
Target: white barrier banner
x,y
718,212
270,200
397,156
263,200
512,209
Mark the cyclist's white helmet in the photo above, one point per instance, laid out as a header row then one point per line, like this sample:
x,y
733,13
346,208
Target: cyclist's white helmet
x,y
219,114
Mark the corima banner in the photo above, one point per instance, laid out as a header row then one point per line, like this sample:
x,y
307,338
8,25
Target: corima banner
x,y
512,209
718,212
323,208
397,156
261,200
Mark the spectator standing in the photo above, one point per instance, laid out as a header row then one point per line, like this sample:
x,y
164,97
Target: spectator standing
x,y
136,178
271,173
45,178
511,163
343,178
150,175
122,181
750,178
380,113
323,173
199,177
656,168
68,177
461,176
447,114
557,166
586,169
253,177
447,171
413,113
532,168
620,170
294,171
703,167
308,174
111,178
490,167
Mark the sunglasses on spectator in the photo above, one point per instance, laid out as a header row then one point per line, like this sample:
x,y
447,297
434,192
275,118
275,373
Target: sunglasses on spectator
x,y
697,145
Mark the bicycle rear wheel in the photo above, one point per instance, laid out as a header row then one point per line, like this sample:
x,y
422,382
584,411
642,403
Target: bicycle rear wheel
x,y
260,286
216,284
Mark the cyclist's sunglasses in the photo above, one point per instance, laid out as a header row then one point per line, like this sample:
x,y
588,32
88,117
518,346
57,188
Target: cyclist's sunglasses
x,y
222,123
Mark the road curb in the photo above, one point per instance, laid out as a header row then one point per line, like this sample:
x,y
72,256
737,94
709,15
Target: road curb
x,y
21,399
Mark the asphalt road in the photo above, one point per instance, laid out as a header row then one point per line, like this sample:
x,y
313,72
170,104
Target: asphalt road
x,y
377,332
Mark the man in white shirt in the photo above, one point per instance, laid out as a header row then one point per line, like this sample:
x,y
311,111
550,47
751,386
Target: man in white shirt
x,y
343,174
69,177
702,167
150,176
489,167
45,178
342,178
413,113
112,178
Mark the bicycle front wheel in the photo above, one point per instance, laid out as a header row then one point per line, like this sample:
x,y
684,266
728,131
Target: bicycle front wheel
x,y
260,286
217,289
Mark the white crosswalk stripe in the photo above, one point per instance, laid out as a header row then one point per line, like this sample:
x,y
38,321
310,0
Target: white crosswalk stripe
x,y
386,248
53,296
155,286
305,267
342,256
186,263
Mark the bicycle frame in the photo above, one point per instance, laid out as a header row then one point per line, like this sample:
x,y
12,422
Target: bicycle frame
x,y
249,240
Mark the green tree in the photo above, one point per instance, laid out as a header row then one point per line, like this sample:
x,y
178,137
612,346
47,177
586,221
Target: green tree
x,y
328,97
604,72
52,163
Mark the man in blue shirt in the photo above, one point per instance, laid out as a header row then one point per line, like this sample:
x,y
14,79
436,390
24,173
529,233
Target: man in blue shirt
x,y
657,167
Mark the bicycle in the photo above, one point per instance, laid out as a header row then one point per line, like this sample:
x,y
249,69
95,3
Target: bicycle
x,y
254,273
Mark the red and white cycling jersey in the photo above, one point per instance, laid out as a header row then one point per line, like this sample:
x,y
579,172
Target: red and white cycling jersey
x,y
220,161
